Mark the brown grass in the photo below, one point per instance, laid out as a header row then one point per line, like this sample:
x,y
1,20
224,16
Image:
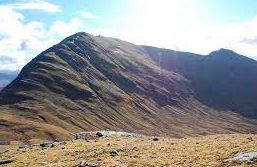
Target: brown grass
x,y
138,151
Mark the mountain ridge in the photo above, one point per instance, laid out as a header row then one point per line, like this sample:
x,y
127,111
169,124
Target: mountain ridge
x,y
92,83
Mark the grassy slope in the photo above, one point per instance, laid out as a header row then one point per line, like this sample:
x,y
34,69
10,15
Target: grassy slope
x,y
139,151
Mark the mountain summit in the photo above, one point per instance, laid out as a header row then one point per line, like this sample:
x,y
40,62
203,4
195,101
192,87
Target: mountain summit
x,y
91,83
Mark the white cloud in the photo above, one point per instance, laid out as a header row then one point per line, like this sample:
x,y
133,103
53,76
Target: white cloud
x,y
182,25
172,24
20,41
35,5
62,29
88,15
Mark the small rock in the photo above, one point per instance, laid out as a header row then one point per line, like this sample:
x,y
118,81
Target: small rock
x,y
42,145
47,145
85,164
7,161
155,139
152,156
57,140
23,148
250,138
80,135
114,153
43,163
99,134
82,164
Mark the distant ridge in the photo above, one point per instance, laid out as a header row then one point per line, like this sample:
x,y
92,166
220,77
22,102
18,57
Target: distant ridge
x,y
6,77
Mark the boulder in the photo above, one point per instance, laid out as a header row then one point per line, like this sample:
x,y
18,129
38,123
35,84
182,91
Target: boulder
x,y
249,157
84,136
94,134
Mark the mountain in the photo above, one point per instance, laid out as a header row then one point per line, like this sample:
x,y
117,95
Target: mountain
x,y
222,80
6,77
88,83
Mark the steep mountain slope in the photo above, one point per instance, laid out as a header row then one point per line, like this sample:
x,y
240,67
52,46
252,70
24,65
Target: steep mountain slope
x,y
91,83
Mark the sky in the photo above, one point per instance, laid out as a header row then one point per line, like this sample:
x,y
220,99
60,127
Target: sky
x,y
28,27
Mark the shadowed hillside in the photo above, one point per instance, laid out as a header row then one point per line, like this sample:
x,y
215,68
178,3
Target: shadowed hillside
x,y
223,80
91,83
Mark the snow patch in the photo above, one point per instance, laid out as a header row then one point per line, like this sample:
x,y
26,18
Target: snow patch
x,y
88,57
116,50
72,42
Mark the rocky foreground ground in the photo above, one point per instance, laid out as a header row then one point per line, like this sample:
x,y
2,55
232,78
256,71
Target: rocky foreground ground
x,y
123,149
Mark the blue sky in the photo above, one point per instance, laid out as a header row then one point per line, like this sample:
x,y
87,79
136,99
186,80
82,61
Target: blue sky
x,y
231,10
200,26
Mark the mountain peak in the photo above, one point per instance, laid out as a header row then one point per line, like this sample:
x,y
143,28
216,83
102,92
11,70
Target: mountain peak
x,y
223,52
80,34
75,37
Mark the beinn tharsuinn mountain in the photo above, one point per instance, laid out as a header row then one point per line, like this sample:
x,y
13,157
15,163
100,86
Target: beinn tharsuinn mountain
x,y
92,82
